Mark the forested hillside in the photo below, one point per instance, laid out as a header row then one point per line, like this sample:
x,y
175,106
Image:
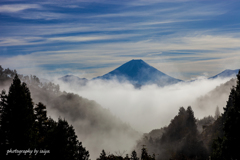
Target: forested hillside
x,y
92,123
217,96
25,128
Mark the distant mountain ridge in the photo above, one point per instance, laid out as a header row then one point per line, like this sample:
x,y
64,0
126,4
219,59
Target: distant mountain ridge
x,y
226,73
139,72
73,79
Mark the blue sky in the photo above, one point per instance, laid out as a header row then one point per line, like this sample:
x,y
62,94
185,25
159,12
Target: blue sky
x,y
89,38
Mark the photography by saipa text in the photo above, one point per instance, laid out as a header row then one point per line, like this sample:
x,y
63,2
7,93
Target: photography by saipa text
x,y
28,151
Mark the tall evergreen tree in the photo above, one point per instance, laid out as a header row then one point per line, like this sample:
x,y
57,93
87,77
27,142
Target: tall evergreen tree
x,y
41,124
17,117
3,104
227,146
64,144
41,127
191,121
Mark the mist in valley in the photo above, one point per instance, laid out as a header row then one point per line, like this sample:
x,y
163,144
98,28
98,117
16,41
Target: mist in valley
x,y
152,106
114,116
148,108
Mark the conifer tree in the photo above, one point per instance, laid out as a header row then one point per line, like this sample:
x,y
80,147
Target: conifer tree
x,y
134,155
103,156
146,156
3,104
63,142
231,126
17,117
41,127
82,153
191,121
227,146
41,124
23,126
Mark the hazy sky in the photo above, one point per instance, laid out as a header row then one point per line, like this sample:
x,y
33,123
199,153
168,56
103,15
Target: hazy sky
x,y
89,38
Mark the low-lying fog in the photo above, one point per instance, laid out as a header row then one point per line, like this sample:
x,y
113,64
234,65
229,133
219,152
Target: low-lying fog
x,y
151,106
145,109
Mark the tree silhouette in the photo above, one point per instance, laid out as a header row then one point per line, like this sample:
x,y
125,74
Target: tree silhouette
x,y
23,127
145,155
64,144
17,117
82,153
134,155
41,123
191,121
226,147
103,156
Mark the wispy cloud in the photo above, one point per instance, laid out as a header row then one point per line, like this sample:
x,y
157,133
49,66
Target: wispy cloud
x,y
42,15
13,8
199,54
91,38
99,36
18,41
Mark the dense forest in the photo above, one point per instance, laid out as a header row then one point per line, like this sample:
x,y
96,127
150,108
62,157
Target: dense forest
x,y
26,126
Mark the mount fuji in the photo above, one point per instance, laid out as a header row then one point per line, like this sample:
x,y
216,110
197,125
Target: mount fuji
x,y
139,73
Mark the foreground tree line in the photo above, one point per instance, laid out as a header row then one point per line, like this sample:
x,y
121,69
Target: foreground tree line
x,y
144,156
25,126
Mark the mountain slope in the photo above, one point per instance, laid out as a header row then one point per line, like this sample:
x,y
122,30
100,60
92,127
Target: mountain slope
x,y
226,73
139,72
94,125
73,79
216,97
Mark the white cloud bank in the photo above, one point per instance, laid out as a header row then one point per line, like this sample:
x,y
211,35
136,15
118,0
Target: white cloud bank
x,y
150,107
